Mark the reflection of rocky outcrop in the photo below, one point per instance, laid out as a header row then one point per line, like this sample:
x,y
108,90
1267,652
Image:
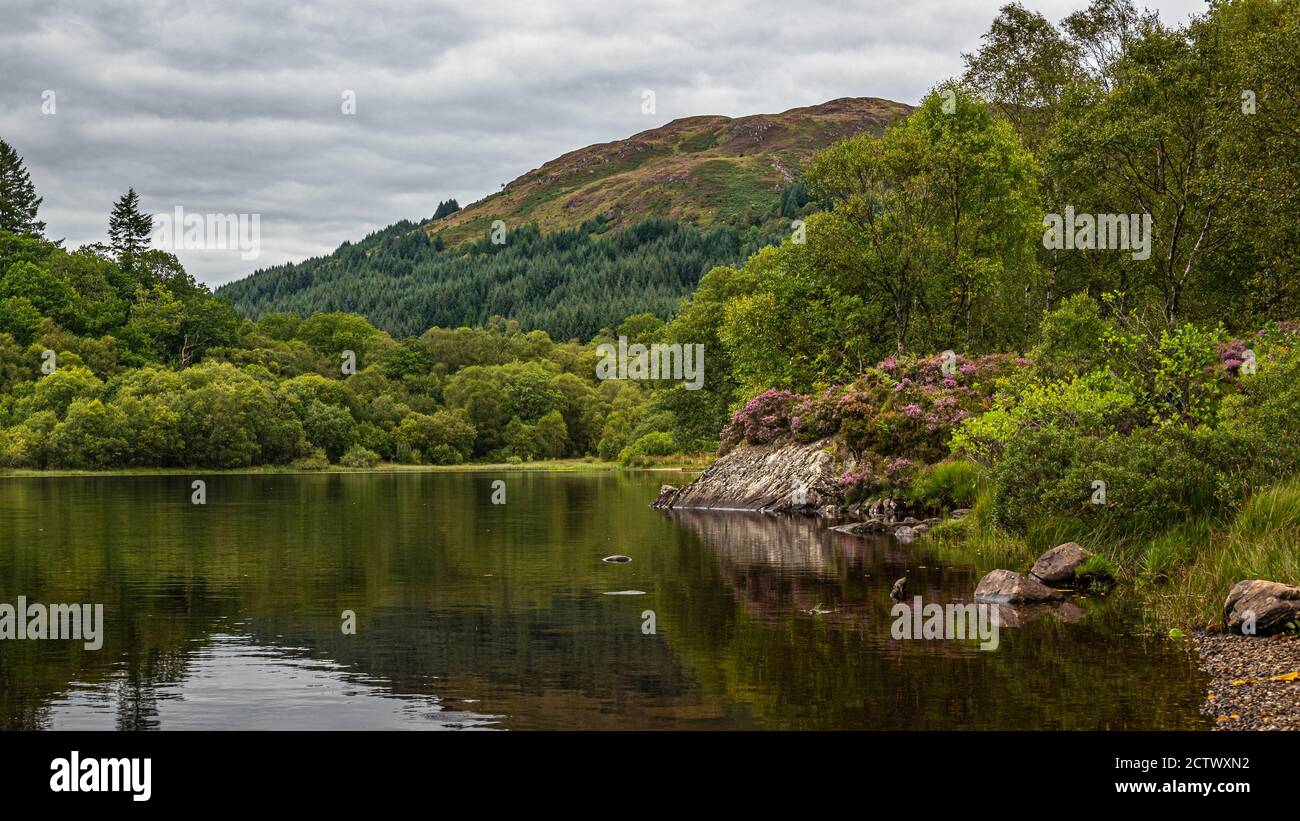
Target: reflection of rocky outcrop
x,y
798,543
768,478
779,566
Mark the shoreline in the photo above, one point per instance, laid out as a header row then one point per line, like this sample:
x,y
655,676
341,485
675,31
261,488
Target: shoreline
x,y
548,466
1254,680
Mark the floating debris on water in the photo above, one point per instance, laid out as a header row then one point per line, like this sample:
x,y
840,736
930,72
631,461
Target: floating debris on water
x,y
626,593
617,559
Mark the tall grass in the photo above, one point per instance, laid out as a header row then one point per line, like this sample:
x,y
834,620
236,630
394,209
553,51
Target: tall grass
x,y
976,535
1260,542
955,484
1183,573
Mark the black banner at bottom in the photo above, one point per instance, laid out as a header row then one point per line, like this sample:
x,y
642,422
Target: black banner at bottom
x,y
338,770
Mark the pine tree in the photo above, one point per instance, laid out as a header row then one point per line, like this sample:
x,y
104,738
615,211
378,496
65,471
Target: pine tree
x,y
129,229
18,200
446,208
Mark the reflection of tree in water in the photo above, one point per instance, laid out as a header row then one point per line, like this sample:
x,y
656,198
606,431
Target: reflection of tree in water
x,y
137,706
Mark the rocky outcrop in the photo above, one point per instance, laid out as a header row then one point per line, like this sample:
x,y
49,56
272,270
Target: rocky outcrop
x,y
1260,607
767,478
1006,587
1057,566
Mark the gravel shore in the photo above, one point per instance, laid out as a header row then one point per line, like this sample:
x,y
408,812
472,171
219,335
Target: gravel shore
x,y
1254,681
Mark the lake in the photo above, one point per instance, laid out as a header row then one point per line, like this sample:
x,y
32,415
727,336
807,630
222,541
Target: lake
x,y
475,615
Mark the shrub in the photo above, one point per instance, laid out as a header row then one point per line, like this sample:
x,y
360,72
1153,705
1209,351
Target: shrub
x,y
764,419
1153,477
1080,405
946,485
652,444
317,460
359,457
1072,339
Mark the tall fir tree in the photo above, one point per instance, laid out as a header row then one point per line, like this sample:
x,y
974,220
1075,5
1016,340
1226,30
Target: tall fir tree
x,y
129,229
18,200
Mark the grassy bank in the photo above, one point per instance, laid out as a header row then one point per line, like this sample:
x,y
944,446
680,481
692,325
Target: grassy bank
x,y
1183,573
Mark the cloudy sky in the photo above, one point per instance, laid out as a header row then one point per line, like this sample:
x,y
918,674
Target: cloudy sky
x,y
236,107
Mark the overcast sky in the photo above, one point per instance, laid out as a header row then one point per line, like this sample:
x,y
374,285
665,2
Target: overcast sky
x,y
236,107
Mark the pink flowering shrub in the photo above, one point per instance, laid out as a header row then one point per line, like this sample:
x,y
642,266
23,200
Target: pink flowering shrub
x,y
764,419
899,473
813,417
902,408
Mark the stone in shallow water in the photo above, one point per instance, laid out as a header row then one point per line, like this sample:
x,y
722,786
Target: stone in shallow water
x,y
1058,565
1006,587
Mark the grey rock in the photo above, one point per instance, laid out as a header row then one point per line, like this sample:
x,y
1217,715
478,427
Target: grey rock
x,y
1058,565
763,478
1270,604
1007,587
870,527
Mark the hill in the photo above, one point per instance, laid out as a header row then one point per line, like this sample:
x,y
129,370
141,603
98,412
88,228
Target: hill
x,y
700,170
593,236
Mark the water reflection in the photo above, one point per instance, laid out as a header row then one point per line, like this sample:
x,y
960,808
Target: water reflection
x,y
235,684
472,615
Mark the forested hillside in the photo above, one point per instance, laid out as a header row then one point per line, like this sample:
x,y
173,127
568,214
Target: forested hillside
x,y
590,237
570,282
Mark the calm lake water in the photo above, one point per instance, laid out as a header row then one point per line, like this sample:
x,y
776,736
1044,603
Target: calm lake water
x,y
475,615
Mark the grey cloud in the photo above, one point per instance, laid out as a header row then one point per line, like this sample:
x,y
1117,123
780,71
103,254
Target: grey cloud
x,y
234,107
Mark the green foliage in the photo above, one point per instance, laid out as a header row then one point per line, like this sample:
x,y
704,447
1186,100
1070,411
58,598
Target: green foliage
x,y
315,460
652,444
330,428
1258,543
946,485
1080,406
934,223
359,457
440,438
129,229
1096,572
570,282
18,200
1072,339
